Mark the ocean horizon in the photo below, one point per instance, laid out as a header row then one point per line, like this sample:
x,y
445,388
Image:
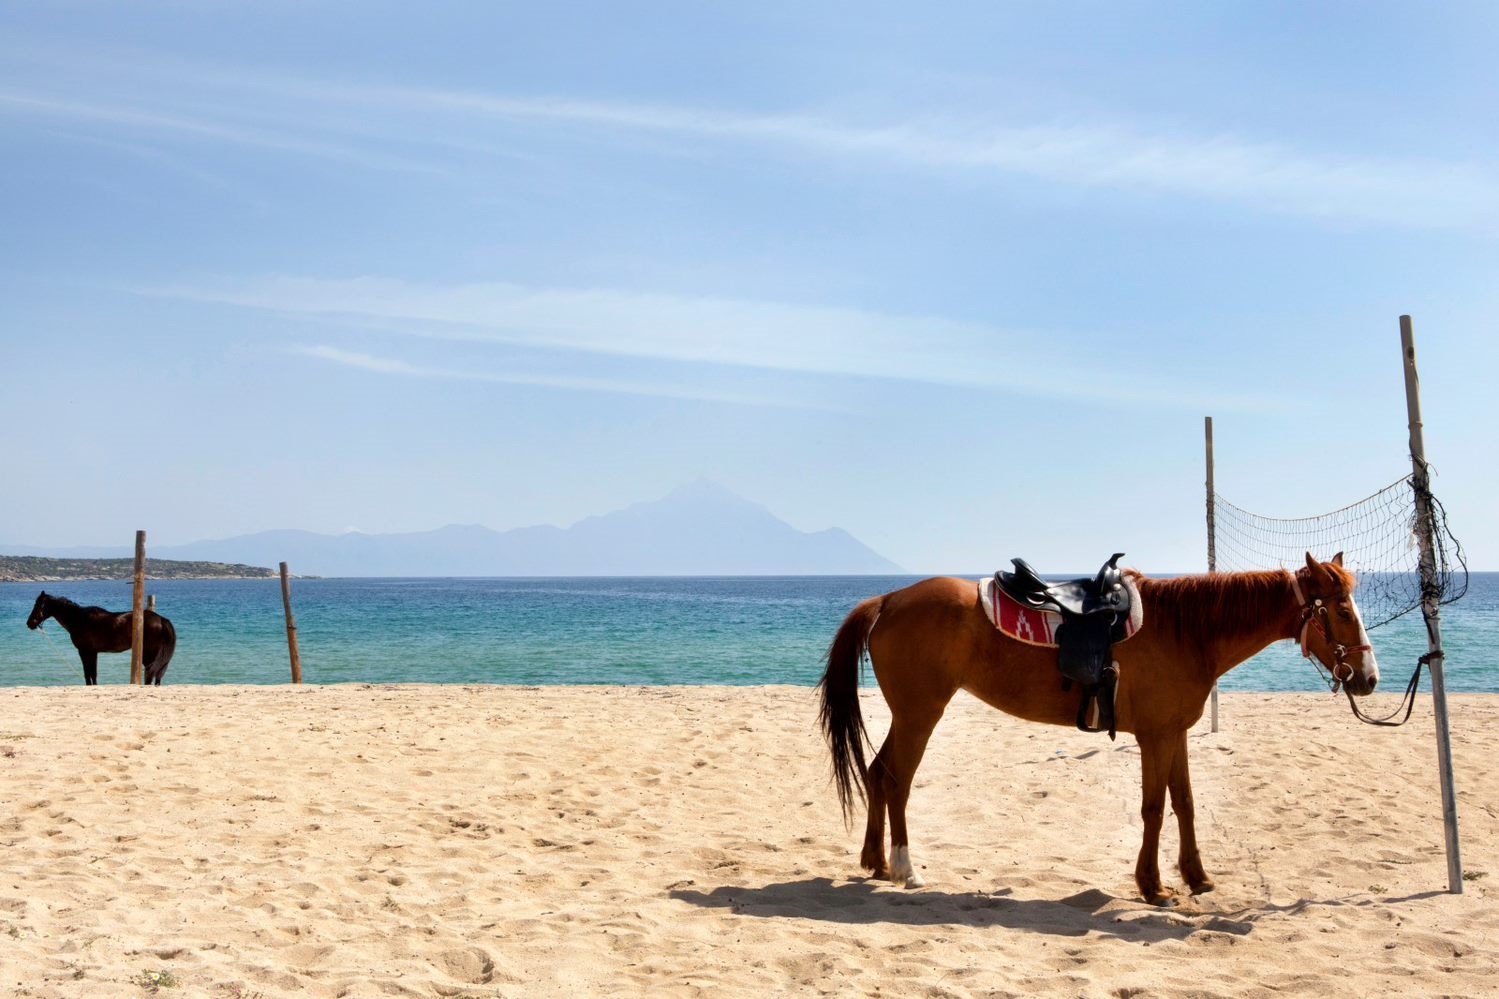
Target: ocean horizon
x,y
652,630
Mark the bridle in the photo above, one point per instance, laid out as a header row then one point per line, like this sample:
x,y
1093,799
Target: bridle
x,y
40,613
1315,614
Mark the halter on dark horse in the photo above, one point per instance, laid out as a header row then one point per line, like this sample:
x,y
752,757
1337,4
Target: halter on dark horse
x,y
95,630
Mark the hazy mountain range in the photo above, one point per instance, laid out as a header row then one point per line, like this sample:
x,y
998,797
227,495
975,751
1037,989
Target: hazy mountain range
x,y
698,529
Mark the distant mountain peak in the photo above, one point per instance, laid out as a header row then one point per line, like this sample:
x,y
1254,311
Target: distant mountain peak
x,y
700,528
705,492
702,486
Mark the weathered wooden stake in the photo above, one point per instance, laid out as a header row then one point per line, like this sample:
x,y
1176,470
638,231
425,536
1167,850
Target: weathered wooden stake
x,y
1431,605
1207,422
138,608
150,601
291,627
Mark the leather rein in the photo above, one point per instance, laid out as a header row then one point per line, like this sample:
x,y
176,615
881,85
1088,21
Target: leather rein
x,y
1315,614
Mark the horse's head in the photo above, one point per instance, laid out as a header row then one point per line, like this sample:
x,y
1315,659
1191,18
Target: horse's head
x,y
1331,627
39,612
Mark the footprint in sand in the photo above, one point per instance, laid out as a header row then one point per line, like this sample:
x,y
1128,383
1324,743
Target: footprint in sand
x,y
466,964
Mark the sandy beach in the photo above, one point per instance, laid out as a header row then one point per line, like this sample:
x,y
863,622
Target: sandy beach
x,y
503,841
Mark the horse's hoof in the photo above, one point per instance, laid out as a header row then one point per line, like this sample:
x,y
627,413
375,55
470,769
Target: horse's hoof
x,y
1203,887
1165,898
901,868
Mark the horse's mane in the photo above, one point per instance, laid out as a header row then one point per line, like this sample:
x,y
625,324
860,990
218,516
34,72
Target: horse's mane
x,y
1236,602
55,599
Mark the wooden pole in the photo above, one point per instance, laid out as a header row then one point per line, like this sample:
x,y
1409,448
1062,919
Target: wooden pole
x,y
1207,426
1431,605
291,627
150,601
138,608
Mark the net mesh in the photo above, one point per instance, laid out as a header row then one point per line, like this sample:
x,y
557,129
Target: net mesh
x,y
1377,536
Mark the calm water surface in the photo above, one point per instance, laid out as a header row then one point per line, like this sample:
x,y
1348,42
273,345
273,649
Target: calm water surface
x,y
747,630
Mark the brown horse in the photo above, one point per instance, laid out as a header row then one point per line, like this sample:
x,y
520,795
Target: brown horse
x,y
932,639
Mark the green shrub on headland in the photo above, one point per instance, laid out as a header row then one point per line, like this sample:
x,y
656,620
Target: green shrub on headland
x,y
32,569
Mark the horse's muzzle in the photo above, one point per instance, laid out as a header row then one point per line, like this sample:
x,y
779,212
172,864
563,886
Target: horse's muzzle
x,y
1364,679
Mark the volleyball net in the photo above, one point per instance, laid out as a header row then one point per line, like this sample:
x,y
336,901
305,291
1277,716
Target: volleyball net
x,y
1379,539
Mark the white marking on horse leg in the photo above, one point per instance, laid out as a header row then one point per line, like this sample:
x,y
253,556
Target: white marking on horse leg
x,y
901,869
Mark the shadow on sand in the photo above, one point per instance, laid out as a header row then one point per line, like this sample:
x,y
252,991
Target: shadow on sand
x,y
1091,911
865,902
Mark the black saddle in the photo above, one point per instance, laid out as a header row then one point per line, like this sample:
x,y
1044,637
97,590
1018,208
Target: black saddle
x,y
1095,614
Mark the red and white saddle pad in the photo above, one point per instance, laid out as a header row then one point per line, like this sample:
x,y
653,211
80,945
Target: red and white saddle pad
x,y
1039,627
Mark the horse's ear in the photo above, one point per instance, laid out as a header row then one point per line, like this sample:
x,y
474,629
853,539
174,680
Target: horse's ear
x,y
1337,560
1311,563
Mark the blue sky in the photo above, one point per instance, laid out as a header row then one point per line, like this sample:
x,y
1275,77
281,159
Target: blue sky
x,y
960,278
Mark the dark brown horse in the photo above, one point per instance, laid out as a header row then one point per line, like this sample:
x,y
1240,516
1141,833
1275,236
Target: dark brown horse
x,y
95,630
932,639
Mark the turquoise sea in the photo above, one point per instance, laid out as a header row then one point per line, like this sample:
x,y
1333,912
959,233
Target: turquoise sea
x,y
696,630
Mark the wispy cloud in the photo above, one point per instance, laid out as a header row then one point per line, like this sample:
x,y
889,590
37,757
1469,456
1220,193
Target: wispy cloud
x,y
407,128
202,129
657,390
739,333
1120,155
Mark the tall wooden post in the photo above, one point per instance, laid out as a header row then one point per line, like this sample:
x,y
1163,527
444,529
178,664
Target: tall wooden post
x,y
138,608
1431,605
291,627
1207,426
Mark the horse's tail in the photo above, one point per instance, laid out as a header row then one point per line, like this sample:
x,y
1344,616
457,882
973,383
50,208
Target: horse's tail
x,y
842,721
158,664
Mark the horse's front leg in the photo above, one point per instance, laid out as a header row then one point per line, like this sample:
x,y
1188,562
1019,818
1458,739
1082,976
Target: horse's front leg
x,y
1189,860
90,667
1157,757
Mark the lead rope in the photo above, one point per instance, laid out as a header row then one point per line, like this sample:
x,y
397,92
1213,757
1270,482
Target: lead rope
x,y
1408,701
42,627
1410,691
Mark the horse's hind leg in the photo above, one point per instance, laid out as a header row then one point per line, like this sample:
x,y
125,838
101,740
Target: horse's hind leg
x,y
873,856
890,785
154,667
